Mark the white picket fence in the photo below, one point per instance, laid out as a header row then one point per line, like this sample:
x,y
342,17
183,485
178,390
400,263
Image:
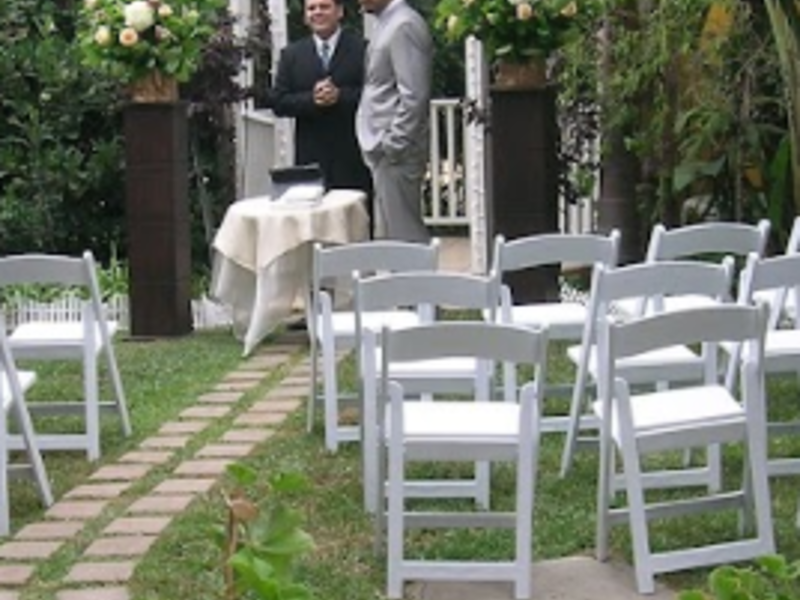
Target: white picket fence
x,y
206,313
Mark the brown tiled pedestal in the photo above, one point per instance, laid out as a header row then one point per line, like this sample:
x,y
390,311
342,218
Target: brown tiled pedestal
x,y
157,207
524,177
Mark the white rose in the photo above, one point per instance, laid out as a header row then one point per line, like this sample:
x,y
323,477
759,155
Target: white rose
x,y
102,36
139,15
90,4
165,10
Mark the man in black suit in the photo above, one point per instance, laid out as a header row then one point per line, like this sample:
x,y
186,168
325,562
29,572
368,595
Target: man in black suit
x,y
319,83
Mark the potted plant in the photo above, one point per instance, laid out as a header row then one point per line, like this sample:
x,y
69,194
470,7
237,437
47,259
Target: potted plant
x,y
518,35
148,45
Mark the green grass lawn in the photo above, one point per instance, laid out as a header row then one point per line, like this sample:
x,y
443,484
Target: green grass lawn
x,y
163,377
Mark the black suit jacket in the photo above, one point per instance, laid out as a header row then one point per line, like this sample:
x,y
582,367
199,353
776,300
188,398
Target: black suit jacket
x,y
325,135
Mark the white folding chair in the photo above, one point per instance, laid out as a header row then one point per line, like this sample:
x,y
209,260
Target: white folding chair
x,y
719,239
778,279
83,339
784,298
461,430
564,319
13,385
426,293
331,324
640,424
661,281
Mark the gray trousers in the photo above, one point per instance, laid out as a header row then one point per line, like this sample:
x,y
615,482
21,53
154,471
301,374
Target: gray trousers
x,y
398,200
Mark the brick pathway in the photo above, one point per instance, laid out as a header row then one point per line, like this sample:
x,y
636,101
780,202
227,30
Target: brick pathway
x,y
107,563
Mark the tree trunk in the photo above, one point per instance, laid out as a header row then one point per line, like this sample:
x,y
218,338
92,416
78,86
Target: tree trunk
x,y
620,172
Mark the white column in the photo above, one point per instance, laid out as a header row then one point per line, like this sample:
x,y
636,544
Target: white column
x,y
475,156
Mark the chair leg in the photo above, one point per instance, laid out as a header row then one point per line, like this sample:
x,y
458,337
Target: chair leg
x,y
637,518
119,391
396,525
5,513
32,450
379,498
483,483
369,452
757,454
603,498
526,490
91,406
331,399
312,396
573,426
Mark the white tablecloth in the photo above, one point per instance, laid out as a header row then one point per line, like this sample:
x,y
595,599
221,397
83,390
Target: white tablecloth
x,y
263,255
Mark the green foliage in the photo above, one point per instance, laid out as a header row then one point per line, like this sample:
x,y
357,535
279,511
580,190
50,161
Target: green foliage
x,y
515,30
60,156
694,89
127,40
263,545
772,578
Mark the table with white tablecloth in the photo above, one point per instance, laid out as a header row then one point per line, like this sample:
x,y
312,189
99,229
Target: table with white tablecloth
x,y
262,259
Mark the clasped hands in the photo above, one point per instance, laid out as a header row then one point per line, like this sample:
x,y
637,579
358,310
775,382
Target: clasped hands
x,y
325,92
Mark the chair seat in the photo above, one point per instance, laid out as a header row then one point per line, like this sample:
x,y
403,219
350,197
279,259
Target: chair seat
x,y
344,323
778,344
26,380
669,409
767,297
450,422
42,336
670,359
564,319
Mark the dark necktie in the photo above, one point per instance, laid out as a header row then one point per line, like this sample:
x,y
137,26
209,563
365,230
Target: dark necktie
x,y
325,54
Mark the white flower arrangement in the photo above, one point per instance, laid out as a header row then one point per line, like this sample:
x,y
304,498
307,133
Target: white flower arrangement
x,y
132,39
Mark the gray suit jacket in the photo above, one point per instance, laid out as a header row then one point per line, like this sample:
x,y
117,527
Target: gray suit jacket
x,y
392,117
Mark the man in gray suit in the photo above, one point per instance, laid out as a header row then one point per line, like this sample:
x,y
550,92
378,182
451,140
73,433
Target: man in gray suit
x,y
392,116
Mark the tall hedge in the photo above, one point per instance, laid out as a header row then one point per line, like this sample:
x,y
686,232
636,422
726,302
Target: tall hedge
x,y
60,150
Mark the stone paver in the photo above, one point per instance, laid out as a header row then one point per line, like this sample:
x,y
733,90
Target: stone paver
x,y
225,450
183,486
15,575
259,419
166,441
161,504
76,510
101,572
205,412
28,550
220,398
235,386
245,376
275,405
296,381
150,457
101,593
54,530
204,467
236,436
6,595
300,392
99,490
137,526
264,361
126,472
179,427
121,545
571,578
